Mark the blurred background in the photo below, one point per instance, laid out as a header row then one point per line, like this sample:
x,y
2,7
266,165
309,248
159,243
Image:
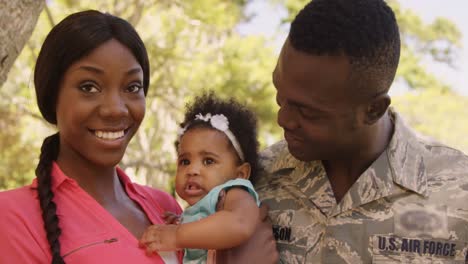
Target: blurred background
x,y
229,46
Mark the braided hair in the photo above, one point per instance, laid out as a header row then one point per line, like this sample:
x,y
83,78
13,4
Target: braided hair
x,y
70,40
49,152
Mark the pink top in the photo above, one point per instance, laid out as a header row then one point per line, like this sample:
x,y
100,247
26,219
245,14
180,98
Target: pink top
x,y
90,234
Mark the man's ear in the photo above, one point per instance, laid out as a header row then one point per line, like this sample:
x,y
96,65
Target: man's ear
x,y
377,108
243,171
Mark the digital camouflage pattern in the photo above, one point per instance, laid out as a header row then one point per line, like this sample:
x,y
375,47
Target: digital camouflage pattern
x,y
409,206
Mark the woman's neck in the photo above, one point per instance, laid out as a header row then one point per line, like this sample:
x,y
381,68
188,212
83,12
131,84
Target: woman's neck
x,y
101,182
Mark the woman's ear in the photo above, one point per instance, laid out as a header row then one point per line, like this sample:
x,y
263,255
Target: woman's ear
x,y
377,108
243,171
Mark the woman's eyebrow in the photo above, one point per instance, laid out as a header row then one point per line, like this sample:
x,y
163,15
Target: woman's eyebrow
x,y
134,71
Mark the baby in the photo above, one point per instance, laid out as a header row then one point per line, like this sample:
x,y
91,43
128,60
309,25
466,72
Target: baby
x,y
217,153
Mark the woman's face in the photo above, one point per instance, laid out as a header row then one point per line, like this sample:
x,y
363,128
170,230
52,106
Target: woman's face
x,y
100,106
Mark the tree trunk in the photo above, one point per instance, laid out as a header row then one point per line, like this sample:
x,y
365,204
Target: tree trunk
x,y
17,21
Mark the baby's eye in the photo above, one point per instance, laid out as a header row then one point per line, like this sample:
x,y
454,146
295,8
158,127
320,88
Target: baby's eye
x,y
134,88
184,162
208,161
89,88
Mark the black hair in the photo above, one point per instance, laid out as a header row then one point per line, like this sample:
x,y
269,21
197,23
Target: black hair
x,y
365,31
73,38
242,123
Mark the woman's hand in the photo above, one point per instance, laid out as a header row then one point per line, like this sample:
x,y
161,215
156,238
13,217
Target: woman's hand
x,y
160,238
260,248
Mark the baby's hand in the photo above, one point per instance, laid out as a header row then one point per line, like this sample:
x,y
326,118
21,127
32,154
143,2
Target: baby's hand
x,y
160,238
171,219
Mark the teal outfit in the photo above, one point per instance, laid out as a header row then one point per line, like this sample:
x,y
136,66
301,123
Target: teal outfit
x,y
207,206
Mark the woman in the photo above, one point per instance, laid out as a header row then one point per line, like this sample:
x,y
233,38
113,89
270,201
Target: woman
x,y
91,78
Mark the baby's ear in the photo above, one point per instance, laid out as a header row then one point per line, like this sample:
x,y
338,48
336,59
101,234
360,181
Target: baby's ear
x,y
243,171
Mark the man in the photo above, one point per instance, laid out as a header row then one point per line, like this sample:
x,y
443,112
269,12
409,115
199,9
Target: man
x,y
352,183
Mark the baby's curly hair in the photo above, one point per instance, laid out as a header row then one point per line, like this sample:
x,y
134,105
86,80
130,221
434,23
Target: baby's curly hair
x,y
242,123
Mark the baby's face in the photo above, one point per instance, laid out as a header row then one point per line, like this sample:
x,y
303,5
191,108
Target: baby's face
x,y
205,159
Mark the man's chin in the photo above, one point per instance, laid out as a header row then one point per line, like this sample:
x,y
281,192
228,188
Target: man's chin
x,y
300,154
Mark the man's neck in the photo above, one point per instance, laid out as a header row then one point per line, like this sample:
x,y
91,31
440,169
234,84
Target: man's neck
x,y
343,173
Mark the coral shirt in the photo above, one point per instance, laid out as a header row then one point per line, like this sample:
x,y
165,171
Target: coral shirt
x,y
90,234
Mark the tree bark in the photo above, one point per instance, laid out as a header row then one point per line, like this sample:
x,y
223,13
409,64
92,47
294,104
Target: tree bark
x,y
17,21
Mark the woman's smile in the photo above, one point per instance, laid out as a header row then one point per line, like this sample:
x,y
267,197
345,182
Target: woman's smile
x,y
111,138
109,135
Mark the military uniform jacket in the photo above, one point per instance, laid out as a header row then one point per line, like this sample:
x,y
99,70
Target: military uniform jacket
x,y
409,206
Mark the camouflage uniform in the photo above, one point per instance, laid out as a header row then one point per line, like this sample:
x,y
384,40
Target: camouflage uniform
x,y
409,206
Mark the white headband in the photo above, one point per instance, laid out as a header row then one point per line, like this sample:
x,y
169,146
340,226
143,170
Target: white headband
x,y
221,123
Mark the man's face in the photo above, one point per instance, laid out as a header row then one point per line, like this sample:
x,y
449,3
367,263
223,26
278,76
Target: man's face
x,y
320,119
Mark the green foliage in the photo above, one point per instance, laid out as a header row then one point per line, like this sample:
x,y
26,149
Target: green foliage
x,y
437,114
16,154
421,43
192,47
21,125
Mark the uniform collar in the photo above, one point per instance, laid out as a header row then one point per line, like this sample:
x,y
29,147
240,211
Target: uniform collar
x,y
277,157
405,154
399,168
